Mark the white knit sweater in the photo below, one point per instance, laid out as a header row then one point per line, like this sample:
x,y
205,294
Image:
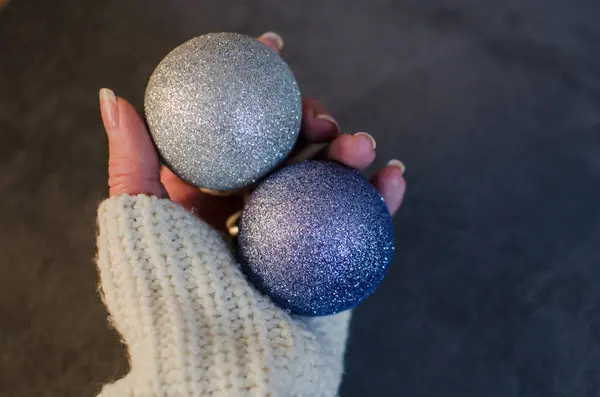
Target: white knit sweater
x,y
192,323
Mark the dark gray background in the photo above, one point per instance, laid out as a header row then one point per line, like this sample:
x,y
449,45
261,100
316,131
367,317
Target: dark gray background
x,y
493,105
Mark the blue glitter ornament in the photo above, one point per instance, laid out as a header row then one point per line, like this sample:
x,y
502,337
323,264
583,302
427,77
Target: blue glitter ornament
x,y
316,237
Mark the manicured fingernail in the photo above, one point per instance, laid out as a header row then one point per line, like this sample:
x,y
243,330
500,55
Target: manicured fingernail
x,y
327,117
108,107
397,163
275,38
373,143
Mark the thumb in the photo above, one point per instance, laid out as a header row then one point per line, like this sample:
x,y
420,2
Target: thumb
x,y
133,164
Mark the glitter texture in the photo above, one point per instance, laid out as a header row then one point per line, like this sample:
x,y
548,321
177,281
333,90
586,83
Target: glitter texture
x,y
316,237
223,110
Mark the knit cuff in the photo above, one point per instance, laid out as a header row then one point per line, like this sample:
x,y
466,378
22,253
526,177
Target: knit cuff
x,y
192,323
174,293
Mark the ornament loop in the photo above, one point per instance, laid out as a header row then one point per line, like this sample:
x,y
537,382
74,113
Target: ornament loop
x,y
231,224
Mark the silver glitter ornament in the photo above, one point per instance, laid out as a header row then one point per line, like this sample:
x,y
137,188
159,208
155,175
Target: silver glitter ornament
x,y
316,237
223,110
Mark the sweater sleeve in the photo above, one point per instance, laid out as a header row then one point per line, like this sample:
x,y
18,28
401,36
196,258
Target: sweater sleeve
x,y
192,324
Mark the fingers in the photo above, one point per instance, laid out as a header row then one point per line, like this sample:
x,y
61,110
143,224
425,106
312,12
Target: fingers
x,y
356,151
318,128
178,190
317,123
133,165
391,184
272,40
214,210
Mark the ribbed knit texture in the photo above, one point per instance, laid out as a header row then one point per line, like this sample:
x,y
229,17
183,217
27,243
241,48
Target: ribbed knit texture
x,y
192,323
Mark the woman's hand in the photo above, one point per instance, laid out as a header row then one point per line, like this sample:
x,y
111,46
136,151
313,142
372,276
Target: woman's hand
x,y
134,166
192,322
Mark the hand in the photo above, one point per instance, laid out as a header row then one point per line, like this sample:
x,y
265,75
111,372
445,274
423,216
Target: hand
x,y
134,166
192,323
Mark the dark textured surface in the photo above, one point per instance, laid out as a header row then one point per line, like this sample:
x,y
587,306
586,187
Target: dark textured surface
x,y
494,107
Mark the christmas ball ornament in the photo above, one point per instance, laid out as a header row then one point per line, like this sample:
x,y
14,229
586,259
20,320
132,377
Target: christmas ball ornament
x,y
223,110
316,237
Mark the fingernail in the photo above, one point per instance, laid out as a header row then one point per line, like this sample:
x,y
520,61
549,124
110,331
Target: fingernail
x,y
373,143
327,117
397,163
108,107
273,37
